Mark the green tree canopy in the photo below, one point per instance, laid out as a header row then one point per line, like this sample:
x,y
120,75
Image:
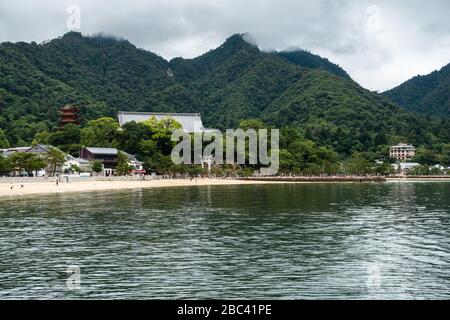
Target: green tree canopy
x,y
4,143
55,158
97,166
359,165
5,164
161,132
100,133
29,162
132,135
68,139
122,168
42,137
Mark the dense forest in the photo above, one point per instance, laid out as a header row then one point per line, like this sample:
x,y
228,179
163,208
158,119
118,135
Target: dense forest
x,y
310,97
428,94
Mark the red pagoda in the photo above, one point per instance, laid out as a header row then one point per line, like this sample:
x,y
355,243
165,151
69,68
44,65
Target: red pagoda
x,y
68,114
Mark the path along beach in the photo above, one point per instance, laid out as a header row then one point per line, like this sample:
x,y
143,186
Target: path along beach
x,y
50,187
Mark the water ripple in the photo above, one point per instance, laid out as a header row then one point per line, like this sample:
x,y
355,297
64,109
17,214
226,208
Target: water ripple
x,y
330,241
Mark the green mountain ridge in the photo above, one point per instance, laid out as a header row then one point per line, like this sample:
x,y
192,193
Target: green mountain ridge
x,y
429,94
231,83
306,59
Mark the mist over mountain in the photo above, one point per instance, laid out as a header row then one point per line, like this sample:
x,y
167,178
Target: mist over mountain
x,y
231,83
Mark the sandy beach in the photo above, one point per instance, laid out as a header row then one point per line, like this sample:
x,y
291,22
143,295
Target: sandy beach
x,y
50,187
30,188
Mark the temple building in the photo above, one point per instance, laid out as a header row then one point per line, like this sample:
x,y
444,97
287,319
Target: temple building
x,y
191,122
68,114
108,157
402,152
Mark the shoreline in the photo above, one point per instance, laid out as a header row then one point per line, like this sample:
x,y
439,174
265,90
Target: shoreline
x,y
49,187
419,179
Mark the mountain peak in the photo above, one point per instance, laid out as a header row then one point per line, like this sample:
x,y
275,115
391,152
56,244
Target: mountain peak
x,y
240,41
72,35
97,40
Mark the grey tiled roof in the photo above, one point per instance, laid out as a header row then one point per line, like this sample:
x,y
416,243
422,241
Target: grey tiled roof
x,y
40,148
103,151
81,161
191,122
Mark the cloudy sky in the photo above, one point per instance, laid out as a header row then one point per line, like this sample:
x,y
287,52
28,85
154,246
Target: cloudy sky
x,y
381,43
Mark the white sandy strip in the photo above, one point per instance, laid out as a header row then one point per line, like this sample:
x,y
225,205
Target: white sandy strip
x,y
86,186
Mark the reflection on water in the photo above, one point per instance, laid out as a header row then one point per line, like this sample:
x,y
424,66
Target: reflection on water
x,y
338,241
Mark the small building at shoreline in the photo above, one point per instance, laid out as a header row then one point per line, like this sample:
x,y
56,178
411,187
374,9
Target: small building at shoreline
x,y
405,167
108,158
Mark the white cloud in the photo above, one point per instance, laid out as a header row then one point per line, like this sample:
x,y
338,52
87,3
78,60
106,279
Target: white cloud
x,y
380,43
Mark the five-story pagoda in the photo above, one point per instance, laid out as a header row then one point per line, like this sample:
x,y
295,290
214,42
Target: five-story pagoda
x,y
68,114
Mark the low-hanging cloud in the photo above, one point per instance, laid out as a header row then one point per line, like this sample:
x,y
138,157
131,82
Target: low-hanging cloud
x,y
380,43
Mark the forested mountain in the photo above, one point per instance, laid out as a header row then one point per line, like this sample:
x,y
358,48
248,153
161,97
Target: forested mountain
x,y
232,83
428,94
308,60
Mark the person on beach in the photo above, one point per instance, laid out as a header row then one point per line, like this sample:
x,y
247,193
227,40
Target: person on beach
x,y
12,186
57,183
21,184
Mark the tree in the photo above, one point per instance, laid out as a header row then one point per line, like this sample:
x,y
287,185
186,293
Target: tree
x,y
35,164
73,168
420,171
100,133
159,163
131,137
122,168
68,139
22,130
26,161
358,165
154,160
161,132
380,139
55,158
306,157
4,143
19,160
97,166
384,169
426,157
5,165
255,124
42,137
435,171
445,153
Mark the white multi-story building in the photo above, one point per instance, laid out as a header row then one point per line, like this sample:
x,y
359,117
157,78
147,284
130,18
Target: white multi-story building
x,y
402,152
